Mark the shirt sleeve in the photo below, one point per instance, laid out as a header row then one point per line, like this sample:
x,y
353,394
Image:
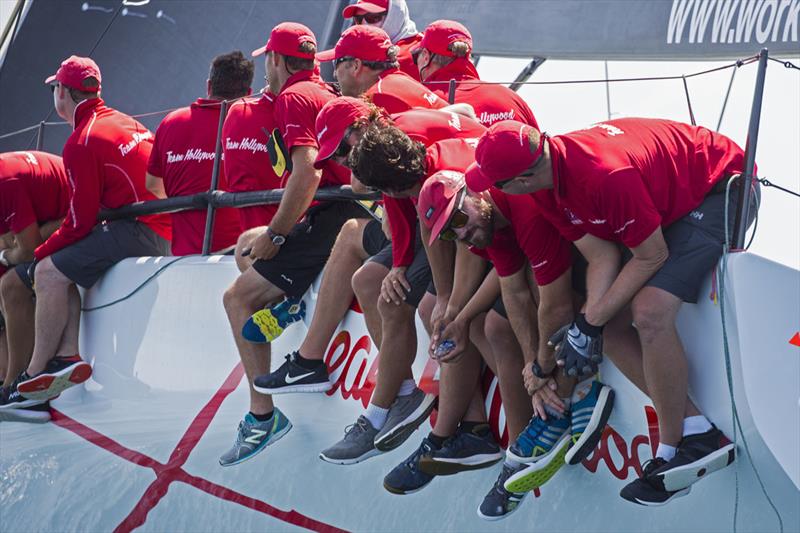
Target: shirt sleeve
x,y
15,206
295,117
555,215
402,220
83,175
155,164
627,207
550,255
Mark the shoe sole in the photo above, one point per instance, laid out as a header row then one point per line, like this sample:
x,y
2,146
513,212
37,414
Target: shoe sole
x,y
20,405
264,331
501,517
646,503
399,434
272,440
24,415
48,386
311,387
350,460
401,492
540,472
447,467
684,476
594,429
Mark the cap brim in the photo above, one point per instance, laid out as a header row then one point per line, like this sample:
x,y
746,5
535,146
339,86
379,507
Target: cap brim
x,y
50,79
361,7
476,180
326,55
444,216
259,51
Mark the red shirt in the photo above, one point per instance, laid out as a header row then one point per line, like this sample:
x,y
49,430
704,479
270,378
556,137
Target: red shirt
x,y
396,91
492,102
33,190
105,158
247,164
449,154
405,58
183,156
620,180
296,110
528,235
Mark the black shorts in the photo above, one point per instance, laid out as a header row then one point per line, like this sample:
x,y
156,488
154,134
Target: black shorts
x,y
695,244
499,307
307,248
374,240
107,244
418,272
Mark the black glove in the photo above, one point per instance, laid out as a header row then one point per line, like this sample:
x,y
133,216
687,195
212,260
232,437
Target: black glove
x,y
579,347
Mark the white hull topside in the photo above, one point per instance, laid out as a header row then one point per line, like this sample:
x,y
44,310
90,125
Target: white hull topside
x,y
138,445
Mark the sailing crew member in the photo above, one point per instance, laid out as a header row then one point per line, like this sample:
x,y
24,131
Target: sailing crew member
x,y
656,187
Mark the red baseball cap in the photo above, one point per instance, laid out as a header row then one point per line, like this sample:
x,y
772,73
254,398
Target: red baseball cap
x,y
437,200
442,33
373,6
332,122
366,43
286,38
73,71
503,152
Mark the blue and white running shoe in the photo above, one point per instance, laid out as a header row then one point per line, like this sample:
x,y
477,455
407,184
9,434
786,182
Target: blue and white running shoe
x,y
588,418
253,436
267,324
543,445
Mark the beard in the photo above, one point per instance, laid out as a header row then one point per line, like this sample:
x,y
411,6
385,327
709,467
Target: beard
x,y
482,235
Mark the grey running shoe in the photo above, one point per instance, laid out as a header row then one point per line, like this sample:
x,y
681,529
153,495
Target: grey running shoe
x,y
499,503
357,445
404,417
253,436
466,450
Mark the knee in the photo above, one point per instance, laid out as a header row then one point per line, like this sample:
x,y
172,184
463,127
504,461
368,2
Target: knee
x,y
350,236
232,298
651,316
393,313
12,288
47,276
499,334
367,282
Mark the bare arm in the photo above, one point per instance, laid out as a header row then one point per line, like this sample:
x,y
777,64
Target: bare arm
x,y
441,256
49,227
463,109
357,186
483,298
300,189
521,310
155,185
556,309
469,269
26,242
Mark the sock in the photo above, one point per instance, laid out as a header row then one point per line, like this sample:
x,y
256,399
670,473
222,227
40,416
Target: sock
x,y
407,387
376,416
665,451
582,389
511,463
261,418
692,425
436,439
308,364
552,412
478,428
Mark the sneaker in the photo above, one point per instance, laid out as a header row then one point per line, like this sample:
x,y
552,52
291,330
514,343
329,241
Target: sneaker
x,y
649,490
466,450
10,398
405,415
588,418
499,503
697,456
538,439
267,324
291,377
36,414
407,478
253,436
60,374
357,445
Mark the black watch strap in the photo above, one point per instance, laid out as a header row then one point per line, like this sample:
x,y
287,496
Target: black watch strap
x,y
539,373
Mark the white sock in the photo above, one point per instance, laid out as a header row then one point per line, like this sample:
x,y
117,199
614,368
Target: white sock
x,y
376,416
692,425
665,451
582,389
407,387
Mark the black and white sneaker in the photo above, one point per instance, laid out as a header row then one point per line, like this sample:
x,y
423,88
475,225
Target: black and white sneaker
x,y
697,456
466,450
291,377
649,490
10,398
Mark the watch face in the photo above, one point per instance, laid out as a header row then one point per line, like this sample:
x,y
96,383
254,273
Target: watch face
x,y
278,240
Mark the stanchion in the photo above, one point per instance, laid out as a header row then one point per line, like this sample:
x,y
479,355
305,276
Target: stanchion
x,y
223,111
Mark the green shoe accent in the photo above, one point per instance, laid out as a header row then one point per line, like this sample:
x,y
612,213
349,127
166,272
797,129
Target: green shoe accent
x,y
267,324
540,472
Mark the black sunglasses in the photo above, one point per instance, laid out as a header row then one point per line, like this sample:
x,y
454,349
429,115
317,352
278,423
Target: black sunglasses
x,y
53,87
337,62
458,220
370,18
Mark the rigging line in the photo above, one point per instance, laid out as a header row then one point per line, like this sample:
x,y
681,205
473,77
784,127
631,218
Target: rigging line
x,y
689,102
787,64
727,95
766,183
23,130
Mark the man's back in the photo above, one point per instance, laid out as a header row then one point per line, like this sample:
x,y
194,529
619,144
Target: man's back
x,y
33,188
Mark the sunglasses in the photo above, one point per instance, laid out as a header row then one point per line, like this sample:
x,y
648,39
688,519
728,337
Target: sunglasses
x,y
458,220
53,87
502,183
337,62
344,148
369,18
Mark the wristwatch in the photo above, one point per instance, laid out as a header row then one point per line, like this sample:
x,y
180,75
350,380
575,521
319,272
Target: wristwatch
x,y
539,373
3,260
276,238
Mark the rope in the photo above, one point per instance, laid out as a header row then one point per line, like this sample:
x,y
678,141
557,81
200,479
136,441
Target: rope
x,y
23,130
727,95
766,183
735,421
689,101
787,64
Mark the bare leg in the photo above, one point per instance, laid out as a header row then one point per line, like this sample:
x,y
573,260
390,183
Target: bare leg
x,y
665,368
249,293
19,311
367,287
52,311
458,383
69,339
335,295
3,355
243,243
396,357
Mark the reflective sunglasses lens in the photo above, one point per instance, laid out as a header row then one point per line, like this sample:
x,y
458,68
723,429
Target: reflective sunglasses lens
x,y
459,220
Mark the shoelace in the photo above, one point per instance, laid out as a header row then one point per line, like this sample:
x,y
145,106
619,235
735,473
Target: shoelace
x,y
651,465
535,427
360,423
413,461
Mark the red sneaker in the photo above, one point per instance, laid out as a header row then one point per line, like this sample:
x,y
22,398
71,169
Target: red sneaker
x,y
60,374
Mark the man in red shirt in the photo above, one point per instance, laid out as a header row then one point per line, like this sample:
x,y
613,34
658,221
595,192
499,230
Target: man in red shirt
x,y
105,160
392,17
657,187
182,159
444,55
34,197
288,255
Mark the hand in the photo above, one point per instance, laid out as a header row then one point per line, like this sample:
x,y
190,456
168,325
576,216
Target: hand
x,y
262,248
457,332
546,396
532,381
438,322
579,347
395,286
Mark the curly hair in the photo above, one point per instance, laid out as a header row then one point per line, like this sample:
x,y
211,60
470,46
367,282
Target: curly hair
x,y
387,159
231,75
